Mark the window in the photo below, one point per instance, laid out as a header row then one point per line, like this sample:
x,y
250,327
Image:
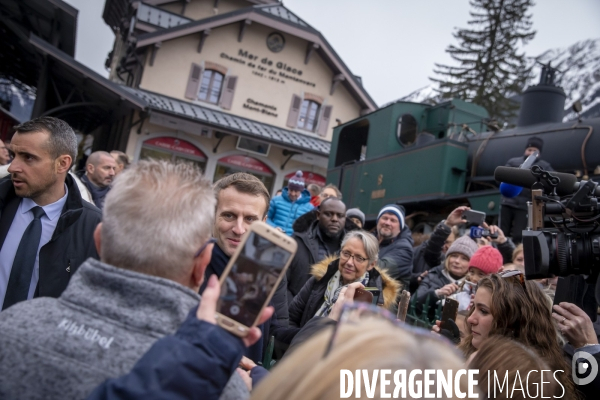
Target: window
x,y
309,113
210,87
253,146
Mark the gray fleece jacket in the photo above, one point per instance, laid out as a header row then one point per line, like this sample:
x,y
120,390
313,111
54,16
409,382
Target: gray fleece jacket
x,y
104,321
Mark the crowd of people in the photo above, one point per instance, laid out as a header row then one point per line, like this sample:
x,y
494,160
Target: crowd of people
x,y
109,287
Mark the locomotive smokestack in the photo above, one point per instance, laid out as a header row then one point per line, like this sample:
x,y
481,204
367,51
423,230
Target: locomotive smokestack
x,y
544,102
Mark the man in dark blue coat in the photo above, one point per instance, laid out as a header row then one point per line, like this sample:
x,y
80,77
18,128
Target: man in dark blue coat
x,y
395,243
513,213
241,200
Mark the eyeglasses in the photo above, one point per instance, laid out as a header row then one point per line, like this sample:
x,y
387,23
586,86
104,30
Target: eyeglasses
x,y
518,275
346,255
358,311
204,246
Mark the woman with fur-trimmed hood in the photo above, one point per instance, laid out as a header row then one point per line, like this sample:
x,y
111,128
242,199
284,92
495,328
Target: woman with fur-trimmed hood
x,y
357,263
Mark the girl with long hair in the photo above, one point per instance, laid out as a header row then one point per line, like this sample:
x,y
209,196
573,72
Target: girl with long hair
x,y
509,306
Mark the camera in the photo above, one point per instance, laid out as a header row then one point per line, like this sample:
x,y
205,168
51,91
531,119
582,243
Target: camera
x,y
476,232
571,246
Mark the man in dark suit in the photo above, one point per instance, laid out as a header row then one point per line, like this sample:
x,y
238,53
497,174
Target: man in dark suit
x,y
513,212
46,229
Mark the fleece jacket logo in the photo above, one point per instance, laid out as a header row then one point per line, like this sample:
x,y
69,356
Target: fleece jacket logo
x,y
90,334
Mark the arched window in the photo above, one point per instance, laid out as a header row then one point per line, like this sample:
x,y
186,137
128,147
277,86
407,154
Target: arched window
x,y
309,113
210,87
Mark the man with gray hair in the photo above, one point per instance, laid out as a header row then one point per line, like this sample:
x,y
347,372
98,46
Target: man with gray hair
x,y
46,229
154,244
100,170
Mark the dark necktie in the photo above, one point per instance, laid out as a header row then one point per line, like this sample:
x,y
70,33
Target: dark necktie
x,y
22,269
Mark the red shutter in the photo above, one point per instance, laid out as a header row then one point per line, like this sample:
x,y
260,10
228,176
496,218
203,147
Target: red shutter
x,y
226,99
193,84
292,120
324,123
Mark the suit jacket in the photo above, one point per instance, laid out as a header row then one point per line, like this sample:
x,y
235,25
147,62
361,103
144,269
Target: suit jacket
x,y
72,241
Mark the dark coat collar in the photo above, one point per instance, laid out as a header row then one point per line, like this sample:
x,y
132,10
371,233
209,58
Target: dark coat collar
x,y
71,211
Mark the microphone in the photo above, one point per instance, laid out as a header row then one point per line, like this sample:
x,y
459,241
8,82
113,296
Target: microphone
x,y
523,177
510,191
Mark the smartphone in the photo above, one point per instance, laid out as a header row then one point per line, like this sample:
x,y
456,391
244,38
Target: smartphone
x,y
375,292
403,305
364,296
450,310
252,276
474,218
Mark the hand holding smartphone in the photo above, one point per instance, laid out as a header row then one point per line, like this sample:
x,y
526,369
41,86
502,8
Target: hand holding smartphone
x,y
450,311
252,276
474,218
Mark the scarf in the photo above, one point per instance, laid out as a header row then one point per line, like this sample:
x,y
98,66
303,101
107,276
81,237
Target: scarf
x,y
98,193
334,287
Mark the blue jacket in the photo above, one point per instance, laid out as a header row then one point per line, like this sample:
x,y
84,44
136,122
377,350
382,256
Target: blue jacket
x,y
195,363
283,213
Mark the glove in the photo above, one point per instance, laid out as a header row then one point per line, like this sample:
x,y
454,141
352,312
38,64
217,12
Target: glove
x,y
450,331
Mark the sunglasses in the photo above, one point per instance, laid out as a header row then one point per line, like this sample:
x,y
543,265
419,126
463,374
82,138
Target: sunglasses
x,y
353,313
204,246
517,275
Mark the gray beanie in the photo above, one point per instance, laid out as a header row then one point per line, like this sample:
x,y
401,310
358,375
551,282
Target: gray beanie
x,y
463,245
356,213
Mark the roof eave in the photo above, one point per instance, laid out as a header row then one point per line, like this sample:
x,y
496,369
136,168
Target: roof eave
x,y
255,15
52,51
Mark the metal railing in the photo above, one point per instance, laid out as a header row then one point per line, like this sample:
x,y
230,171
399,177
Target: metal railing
x,y
158,17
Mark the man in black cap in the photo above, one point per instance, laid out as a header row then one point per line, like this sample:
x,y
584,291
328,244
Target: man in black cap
x,y
513,213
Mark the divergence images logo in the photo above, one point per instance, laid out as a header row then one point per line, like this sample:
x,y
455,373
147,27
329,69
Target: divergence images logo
x,y
581,367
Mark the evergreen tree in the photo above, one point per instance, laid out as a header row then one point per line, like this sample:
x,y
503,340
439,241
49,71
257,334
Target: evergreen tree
x,y
490,67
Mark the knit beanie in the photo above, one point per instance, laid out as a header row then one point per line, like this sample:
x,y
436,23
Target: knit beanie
x,y
296,182
535,142
463,245
393,209
356,213
487,259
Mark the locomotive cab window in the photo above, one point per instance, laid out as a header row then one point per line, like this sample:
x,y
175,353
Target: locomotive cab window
x,y
406,132
352,143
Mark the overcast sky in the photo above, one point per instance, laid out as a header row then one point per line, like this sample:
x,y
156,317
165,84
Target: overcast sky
x,y
391,44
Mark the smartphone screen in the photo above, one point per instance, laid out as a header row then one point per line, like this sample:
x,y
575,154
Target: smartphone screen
x,y
252,277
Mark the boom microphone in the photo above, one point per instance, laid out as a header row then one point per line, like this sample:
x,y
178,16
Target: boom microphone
x,y
510,191
523,177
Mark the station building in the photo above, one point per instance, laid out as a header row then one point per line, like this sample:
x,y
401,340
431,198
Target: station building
x,y
231,85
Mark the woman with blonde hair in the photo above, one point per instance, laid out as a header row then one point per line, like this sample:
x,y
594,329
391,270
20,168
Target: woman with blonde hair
x,y
310,372
445,279
508,305
357,262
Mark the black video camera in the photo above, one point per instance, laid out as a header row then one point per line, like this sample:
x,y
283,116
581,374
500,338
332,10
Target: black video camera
x,y
572,246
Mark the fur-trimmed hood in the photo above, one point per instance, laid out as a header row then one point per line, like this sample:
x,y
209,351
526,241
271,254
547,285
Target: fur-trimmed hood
x,y
391,287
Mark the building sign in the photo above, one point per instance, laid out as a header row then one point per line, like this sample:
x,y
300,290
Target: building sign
x,y
175,145
248,163
275,42
309,177
266,68
262,108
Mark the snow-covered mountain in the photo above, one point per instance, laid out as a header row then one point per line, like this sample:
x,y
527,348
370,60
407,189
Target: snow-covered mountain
x,y
579,65
579,76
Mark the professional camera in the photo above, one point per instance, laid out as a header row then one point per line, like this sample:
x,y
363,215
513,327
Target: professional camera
x,y
572,246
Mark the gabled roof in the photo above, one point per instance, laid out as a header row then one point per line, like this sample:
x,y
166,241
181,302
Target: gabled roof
x,y
233,124
277,17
